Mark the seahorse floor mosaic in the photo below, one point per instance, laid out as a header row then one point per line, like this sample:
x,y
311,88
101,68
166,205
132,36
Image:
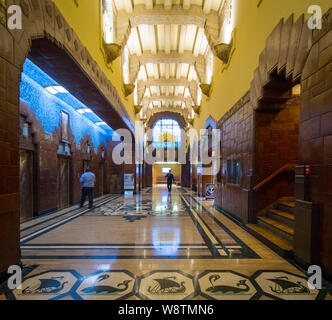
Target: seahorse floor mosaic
x,y
164,285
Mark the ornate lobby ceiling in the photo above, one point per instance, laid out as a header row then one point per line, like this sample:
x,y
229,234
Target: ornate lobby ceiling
x,y
168,48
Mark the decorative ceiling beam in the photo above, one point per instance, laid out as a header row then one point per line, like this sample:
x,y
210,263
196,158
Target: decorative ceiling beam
x,y
174,57
156,98
168,4
128,6
186,4
149,4
183,82
188,14
207,6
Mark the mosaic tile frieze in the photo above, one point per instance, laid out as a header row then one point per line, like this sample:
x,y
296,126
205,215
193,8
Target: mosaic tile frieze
x,y
165,285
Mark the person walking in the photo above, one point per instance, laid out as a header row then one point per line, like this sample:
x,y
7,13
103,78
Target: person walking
x,y
88,179
170,179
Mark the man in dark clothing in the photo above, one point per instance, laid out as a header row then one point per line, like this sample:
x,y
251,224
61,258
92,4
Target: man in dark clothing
x,y
170,179
88,179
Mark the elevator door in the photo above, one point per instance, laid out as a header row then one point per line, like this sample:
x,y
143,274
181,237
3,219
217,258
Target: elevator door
x,y
63,183
26,185
101,179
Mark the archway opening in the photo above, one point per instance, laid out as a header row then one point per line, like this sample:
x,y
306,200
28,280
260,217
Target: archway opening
x,y
167,140
276,129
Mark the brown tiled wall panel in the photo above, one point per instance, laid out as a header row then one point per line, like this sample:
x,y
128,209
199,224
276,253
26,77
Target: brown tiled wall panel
x,y
316,139
9,164
237,141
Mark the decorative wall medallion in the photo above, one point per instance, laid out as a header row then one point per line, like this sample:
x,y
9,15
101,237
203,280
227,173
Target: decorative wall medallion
x,y
49,10
226,285
284,285
68,34
107,285
59,22
48,285
166,285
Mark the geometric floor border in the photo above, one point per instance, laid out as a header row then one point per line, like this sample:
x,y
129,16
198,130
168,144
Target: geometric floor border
x,y
163,285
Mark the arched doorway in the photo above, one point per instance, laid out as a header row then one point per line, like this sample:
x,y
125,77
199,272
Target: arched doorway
x,y
47,39
167,140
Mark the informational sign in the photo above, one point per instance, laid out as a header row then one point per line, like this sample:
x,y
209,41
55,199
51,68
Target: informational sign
x,y
129,194
129,181
166,169
210,192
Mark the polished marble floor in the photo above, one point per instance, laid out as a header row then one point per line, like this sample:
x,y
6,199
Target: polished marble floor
x,y
154,245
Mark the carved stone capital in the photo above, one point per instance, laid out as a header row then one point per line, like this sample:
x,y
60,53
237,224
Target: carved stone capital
x,y
222,51
128,89
206,89
111,51
197,109
138,110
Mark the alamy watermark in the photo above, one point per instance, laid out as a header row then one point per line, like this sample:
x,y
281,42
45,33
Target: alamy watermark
x,y
14,21
14,13
315,21
15,281
205,148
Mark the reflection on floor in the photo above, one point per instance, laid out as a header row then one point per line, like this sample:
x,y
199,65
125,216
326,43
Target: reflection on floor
x,y
154,245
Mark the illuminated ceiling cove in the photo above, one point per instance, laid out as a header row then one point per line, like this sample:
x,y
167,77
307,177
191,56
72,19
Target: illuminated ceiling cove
x,y
168,48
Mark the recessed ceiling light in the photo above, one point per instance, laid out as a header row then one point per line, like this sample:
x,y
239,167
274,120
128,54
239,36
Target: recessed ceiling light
x,y
51,90
100,123
81,111
56,89
60,89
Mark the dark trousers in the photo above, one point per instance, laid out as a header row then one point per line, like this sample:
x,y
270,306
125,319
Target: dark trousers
x,y
169,186
87,192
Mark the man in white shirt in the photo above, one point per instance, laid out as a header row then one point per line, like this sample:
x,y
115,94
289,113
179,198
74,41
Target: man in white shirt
x,y
88,179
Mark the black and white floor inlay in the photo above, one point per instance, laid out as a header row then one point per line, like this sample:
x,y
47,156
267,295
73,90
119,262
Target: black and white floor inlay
x,y
165,285
226,285
110,285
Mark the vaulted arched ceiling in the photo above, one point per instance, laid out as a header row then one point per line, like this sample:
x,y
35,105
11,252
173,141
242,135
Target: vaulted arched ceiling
x,y
168,46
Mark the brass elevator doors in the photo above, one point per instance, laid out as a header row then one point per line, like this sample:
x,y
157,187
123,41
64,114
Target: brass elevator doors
x,y
26,185
63,182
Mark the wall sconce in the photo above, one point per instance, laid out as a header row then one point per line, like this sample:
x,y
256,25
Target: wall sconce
x,y
128,89
112,51
206,89
197,109
138,109
224,51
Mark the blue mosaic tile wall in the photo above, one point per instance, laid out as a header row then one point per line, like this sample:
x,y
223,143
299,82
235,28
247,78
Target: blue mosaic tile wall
x,y
48,107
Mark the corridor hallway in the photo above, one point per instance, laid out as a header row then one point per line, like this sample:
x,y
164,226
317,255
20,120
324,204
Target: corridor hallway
x,y
153,245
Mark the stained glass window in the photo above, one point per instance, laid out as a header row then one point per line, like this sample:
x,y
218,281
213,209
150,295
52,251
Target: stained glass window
x,y
166,133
